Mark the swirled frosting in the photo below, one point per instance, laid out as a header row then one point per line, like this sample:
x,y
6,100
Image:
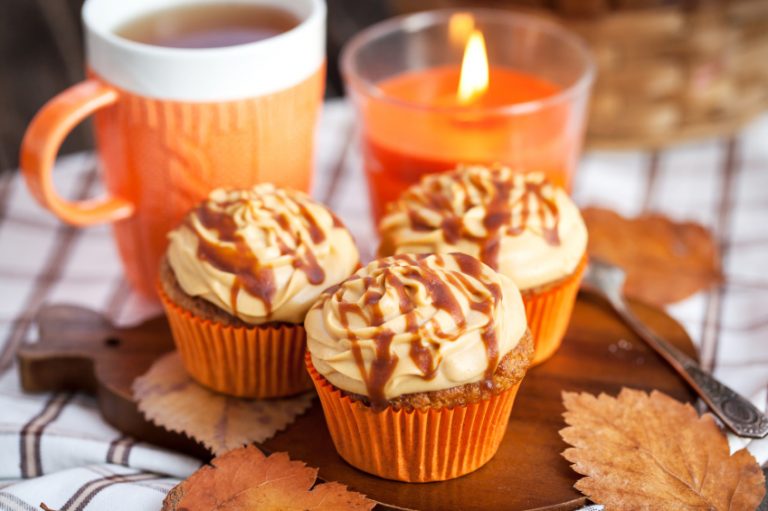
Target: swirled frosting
x,y
261,254
519,224
415,323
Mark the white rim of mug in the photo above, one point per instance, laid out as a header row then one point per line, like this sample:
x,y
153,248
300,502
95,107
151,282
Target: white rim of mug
x,y
318,9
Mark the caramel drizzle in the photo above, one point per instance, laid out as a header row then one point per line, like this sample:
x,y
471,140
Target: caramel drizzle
x,y
238,259
437,287
384,362
471,266
498,220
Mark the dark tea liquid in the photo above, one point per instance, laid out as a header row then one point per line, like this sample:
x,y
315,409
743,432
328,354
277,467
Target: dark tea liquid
x,y
211,25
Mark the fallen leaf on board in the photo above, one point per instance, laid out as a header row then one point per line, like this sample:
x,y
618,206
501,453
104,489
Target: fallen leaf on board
x,y
245,479
665,261
167,396
653,452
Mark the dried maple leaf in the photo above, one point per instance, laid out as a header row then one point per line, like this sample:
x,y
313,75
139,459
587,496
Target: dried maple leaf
x,y
246,479
167,396
652,452
665,261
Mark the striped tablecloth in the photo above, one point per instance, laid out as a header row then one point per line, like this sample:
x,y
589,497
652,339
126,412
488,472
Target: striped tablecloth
x,y
55,448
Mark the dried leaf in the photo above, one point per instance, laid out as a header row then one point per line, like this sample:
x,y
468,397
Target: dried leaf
x,y
246,479
665,261
167,396
652,452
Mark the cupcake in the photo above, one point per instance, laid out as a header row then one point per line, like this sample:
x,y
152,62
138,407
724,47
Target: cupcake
x,y
518,224
417,360
240,274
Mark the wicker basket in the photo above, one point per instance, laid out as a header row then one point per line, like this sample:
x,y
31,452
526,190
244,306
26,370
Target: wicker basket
x,y
668,70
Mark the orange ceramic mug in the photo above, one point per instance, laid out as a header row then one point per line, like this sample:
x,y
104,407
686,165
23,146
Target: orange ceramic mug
x,y
171,124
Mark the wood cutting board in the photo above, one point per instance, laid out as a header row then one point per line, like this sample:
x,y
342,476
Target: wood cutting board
x,y
79,350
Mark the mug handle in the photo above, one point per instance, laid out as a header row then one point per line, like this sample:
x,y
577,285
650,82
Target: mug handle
x,y
42,141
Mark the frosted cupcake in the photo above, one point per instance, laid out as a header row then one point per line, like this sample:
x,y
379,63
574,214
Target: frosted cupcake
x,y
417,360
518,224
240,274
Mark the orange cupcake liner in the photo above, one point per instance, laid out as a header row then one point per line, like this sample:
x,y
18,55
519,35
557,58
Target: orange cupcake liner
x,y
250,362
549,313
416,446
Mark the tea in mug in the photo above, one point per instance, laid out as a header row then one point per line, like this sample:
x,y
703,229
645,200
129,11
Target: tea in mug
x,y
212,25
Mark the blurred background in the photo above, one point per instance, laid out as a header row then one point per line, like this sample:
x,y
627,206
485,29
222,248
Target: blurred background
x,y
669,70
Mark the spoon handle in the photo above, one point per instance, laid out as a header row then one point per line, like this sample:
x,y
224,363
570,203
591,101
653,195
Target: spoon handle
x,y
737,412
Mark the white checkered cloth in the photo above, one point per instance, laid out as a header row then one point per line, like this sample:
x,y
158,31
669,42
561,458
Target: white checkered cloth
x,y
56,449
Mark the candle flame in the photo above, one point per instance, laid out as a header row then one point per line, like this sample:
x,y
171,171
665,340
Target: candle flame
x,y
460,27
473,81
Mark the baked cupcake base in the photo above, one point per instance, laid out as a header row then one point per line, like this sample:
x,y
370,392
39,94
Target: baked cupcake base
x,y
225,354
431,436
548,309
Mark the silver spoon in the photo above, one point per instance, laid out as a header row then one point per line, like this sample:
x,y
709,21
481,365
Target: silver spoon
x,y
737,412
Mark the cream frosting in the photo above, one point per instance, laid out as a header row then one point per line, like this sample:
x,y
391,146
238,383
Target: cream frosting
x,y
519,224
415,323
261,254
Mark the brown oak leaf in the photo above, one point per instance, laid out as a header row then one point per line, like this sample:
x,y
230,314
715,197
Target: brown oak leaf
x,y
643,451
167,396
246,479
665,261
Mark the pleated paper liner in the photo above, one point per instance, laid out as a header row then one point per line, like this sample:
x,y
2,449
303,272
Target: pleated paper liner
x,y
416,446
549,312
250,362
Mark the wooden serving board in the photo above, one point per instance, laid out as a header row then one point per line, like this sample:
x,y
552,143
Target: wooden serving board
x,y
78,349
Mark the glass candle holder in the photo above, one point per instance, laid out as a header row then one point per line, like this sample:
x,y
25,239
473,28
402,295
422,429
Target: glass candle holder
x,y
403,78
